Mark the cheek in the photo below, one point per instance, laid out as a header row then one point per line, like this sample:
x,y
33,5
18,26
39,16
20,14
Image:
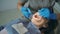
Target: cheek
x,y
40,22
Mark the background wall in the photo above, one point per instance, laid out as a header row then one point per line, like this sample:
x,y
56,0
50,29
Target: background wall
x,y
8,11
8,4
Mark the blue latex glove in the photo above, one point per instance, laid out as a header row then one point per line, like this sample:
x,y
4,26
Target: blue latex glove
x,y
44,12
26,12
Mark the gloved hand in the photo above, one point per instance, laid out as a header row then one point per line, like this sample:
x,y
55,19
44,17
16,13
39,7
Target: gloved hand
x,y
26,12
44,12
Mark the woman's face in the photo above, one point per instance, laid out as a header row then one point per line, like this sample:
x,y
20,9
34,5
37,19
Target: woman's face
x,y
38,20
